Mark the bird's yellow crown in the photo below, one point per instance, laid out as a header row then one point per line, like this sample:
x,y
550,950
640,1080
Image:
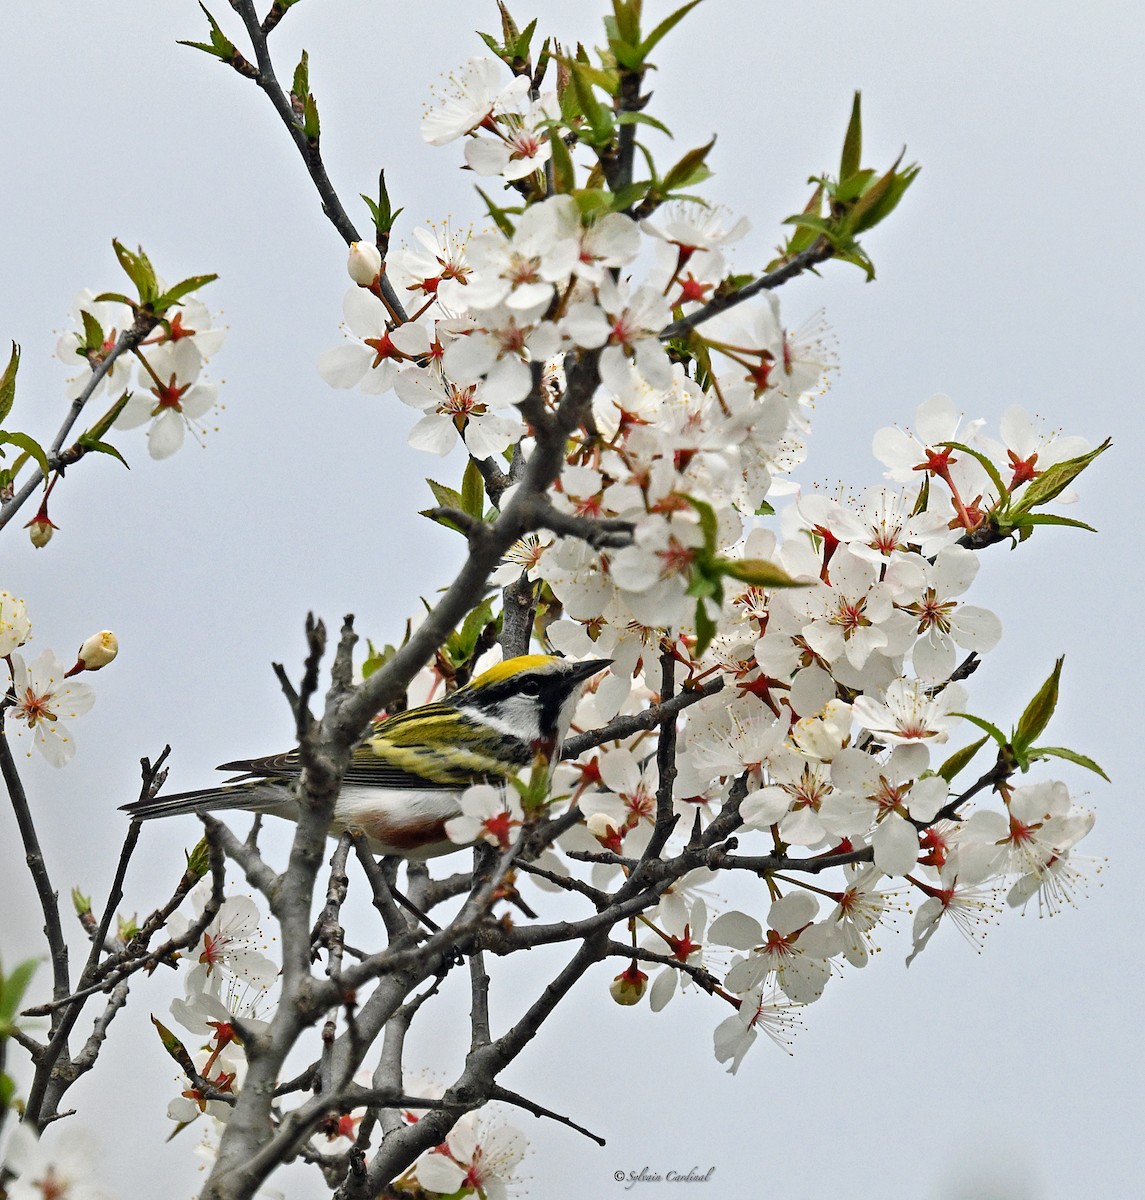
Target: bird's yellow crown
x,y
502,671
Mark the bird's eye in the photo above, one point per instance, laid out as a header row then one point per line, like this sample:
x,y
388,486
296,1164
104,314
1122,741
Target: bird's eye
x,y
531,687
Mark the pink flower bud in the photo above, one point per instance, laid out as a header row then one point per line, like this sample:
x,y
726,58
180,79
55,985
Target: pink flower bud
x,y
95,653
364,263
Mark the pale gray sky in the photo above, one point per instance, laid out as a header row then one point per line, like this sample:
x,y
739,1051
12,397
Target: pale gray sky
x,y
1009,274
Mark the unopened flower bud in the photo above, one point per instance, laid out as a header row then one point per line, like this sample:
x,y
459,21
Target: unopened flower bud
x,y
605,832
364,263
629,986
95,653
40,530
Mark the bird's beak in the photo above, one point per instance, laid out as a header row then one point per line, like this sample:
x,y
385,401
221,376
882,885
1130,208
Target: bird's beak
x,y
587,669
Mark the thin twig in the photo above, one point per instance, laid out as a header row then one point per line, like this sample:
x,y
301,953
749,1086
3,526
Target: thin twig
x,y
602,533
640,722
38,868
383,895
328,932
518,1101
567,883
479,1006
703,977
127,341
310,152
816,253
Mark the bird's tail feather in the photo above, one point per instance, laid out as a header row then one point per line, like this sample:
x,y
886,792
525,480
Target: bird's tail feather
x,y
257,795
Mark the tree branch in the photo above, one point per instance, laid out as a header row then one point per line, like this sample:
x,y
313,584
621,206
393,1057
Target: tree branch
x,y
310,152
519,1101
640,722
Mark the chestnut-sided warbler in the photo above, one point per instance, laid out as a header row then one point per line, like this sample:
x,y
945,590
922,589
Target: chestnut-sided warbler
x,y
407,775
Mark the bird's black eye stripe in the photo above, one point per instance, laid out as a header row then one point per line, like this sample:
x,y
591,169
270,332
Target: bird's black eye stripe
x,y
531,687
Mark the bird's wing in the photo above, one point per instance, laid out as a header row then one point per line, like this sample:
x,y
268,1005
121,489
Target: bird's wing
x,y
431,747
440,747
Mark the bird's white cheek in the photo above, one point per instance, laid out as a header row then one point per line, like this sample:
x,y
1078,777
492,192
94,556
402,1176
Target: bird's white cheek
x,y
516,717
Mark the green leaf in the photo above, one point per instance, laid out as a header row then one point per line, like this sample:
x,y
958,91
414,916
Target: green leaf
x,y
760,573
665,26
705,629
376,659
220,46
705,581
8,383
1038,712
509,30
853,142
447,497
118,297
593,203
626,16
639,118
854,186
627,56
810,221
30,447
464,641
473,491
690,170
987,465
139,270
1054,480
847,251
100,428
992,730
598,117
883,198
498,215
12,989
439,519
1030,519
709,525
627,197
311,126
92,332
492,43
520,48
301,85
97,446
382,211
564,172
174,1047
1070,756
183,288
960,758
